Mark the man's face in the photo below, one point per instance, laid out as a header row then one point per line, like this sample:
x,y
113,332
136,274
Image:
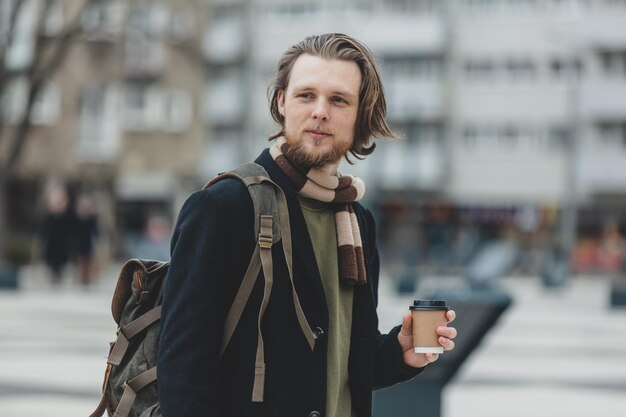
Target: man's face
x,y
320,107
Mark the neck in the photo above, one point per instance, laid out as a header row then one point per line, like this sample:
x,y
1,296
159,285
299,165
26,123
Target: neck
x,y
330,168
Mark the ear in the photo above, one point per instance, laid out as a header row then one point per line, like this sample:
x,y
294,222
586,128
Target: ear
x,y
280,100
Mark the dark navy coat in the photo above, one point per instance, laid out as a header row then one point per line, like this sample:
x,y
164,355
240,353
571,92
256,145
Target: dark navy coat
x,y
211,247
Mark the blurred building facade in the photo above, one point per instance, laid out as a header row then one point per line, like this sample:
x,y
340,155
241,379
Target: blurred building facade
x,y
119,118
510,110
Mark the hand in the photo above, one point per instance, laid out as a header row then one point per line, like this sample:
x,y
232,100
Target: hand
x,y
405,338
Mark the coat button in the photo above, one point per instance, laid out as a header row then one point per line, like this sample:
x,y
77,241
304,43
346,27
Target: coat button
x,y
318,333
314,413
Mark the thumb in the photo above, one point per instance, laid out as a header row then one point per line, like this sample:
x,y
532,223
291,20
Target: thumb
x,y
407,325
405,336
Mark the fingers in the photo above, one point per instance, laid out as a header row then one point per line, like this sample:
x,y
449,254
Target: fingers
x,y
449,332
407,323
446,343
450,315
432,357
446,335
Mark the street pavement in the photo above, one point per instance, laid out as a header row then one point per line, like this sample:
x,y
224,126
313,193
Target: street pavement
x,y
559,352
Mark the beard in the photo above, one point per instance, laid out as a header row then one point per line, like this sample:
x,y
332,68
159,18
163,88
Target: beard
x,y
299,154
313,155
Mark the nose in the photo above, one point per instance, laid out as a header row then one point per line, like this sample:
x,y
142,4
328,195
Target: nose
x,y
320,111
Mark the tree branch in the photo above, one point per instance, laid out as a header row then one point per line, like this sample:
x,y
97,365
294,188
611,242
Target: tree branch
x,y
39,73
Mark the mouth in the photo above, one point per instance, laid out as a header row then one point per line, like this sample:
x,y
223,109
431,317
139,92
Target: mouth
x,y
318,134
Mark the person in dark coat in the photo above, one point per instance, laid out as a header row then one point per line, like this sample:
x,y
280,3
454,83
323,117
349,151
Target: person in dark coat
x,y
55,233
329,101
85,235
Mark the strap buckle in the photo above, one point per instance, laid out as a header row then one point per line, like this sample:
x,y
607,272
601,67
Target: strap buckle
x,y
265,242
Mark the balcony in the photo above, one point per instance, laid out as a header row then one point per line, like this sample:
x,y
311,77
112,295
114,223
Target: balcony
x,y
404,34
99,139
408,35
404,165
414,100
103,21
144,59
503,174
605,30
224,103
602,171
603,99
225,41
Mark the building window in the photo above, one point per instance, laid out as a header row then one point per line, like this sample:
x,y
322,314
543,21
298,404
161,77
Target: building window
x,y
20,52
420,132
613,63
470,138
612,134
568,6
14,99
286,10
103,19
479,70
177,110
614,3
565,68
144,57
45,110
224,98
559,137
46,106
415,67
506,138
152,107
148,19
481,4
182,24
99,133
520,69
225,40
53,18
142,107
415,6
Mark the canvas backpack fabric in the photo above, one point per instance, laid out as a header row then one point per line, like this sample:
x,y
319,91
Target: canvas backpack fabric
x,y
129,388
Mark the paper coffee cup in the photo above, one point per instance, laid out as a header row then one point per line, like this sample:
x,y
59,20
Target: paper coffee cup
x,y
427,316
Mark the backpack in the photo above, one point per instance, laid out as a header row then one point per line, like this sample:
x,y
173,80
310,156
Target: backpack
x,y
129,388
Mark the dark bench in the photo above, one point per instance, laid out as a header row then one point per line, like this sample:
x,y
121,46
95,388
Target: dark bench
x,y
618,291
477,312
8,278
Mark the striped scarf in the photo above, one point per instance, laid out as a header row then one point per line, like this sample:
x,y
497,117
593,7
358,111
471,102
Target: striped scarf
x,y
342,190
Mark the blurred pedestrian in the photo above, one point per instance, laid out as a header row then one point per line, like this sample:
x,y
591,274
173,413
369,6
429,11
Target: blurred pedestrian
x,y
155,242
611,249
85,234
56,229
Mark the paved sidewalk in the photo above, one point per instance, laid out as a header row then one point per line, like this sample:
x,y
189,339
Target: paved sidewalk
x,y
555,353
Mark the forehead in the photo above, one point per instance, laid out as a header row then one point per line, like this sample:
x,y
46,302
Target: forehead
x,y
326,74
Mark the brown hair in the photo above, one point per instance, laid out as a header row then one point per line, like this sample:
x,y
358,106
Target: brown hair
x,y
372,105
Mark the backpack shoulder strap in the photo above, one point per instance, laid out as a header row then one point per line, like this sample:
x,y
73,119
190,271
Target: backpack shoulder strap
x,y
262,191
271,224
267,232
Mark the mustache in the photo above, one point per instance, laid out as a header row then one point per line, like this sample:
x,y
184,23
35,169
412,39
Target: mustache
x,y
319,128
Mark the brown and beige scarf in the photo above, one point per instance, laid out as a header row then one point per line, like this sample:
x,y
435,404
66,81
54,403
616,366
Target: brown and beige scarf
x,y
340,190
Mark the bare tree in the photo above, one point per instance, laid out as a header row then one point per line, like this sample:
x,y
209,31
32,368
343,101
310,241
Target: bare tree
x,y
48,55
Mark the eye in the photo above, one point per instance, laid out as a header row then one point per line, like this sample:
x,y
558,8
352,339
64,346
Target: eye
x,y
305,96
339,100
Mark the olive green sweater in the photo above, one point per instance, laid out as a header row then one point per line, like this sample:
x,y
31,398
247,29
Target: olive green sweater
x,y
320,222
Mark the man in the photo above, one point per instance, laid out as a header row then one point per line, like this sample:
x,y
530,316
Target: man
x,y
328,100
